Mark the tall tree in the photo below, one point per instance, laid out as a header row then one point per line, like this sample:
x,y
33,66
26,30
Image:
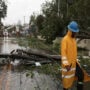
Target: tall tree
x,y
3,10
39,22
58,13
32,19
53,24
80,12
32,24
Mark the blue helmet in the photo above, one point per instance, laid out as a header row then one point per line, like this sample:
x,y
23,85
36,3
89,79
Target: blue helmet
x,y
73,26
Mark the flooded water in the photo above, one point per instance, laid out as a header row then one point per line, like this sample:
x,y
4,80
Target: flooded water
x,y
8,44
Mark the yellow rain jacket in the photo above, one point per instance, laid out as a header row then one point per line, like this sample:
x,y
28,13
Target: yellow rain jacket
x,y
69,57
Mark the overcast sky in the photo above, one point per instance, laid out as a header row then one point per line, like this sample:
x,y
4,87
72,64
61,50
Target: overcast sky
x,y
18,9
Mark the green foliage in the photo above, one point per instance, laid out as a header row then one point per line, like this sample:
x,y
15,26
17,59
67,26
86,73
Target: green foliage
x,y
39,22
56,47
52,25
38,45
32,19
79,11
30,74
50,69
32,25
3,9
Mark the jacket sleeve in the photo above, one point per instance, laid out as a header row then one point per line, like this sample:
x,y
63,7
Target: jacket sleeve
x,y
63,53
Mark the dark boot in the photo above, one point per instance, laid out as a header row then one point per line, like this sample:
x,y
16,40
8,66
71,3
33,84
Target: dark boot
x,y
80,86
65,89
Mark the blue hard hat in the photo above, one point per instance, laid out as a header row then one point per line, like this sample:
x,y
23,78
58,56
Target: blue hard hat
x,y
73,26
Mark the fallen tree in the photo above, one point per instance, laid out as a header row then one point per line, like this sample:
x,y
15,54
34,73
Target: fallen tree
x,y
30,57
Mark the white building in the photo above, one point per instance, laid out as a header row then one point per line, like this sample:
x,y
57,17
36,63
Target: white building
x,y
84,43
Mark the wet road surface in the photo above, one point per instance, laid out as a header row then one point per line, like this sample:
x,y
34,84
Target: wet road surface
x,y
14,80
8,44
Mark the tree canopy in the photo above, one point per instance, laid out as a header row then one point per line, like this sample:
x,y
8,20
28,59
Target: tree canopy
x,y
3,9
58,13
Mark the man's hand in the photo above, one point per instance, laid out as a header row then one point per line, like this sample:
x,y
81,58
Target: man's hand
x,y
68,67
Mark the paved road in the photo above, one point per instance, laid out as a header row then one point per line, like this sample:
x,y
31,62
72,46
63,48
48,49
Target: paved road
x,y
18,81
10,80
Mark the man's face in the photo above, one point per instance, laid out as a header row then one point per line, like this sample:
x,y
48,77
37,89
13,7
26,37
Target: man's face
x,y
73,34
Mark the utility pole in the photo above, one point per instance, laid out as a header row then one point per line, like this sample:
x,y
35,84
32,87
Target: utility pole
x,y
24,20
67,8
59,8
69,2
1,8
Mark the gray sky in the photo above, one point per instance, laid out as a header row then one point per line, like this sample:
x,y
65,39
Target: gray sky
x,y
18,9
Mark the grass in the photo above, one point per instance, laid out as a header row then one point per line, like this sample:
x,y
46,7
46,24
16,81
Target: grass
x,y
53,70
38,44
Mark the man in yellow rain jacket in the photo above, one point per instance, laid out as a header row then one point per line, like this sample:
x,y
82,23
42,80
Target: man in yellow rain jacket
x,y
70,66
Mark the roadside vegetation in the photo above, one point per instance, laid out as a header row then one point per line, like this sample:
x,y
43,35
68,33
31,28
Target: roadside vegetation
x,y
35,43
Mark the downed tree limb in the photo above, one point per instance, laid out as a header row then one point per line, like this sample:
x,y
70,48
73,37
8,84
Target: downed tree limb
x,y
15,56
42,55
30,57
33,62
25,57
